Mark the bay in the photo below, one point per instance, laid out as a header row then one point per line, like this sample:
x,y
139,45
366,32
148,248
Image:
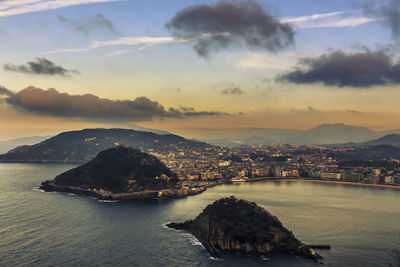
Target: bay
x,y
54,229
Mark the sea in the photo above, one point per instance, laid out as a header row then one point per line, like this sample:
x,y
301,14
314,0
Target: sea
x,y
362,224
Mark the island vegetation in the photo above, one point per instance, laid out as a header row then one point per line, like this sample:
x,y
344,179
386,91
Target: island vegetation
x,y
121,173
234,226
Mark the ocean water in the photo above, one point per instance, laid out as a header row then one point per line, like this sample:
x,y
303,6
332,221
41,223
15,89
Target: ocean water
x,y
361,224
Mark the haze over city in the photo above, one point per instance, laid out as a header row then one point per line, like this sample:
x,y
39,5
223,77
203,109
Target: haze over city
x,y
184,65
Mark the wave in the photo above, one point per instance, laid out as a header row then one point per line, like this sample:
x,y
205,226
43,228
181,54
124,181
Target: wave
x,y
106,201
193,240
36,188
164,225
215,259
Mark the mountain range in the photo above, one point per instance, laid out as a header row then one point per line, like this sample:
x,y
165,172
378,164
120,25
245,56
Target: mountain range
x,y
83,145
324,134
390,139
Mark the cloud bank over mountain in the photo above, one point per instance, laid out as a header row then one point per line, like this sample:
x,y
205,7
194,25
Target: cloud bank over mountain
x,y
93,108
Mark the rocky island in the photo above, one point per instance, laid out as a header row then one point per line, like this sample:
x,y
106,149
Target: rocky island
x,y
120,173
233,226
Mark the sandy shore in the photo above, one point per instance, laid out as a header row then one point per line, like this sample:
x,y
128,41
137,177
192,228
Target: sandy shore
x,y
341,182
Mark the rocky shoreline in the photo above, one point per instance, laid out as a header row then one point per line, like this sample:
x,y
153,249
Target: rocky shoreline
x,y
178,193
99,194
233,226
122,173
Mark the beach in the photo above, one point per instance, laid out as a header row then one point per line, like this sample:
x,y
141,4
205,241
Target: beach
x,y
340,182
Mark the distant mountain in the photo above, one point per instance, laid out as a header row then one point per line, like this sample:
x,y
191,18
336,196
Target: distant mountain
x,y
323,134
7,145
378,152
339,133
387,132
144,129
390,139
83,145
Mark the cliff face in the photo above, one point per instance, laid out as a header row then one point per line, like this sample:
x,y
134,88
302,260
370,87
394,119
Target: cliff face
x,y
237,226
117,170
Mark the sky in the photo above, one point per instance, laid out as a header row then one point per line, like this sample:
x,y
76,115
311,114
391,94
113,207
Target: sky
x,y
181,64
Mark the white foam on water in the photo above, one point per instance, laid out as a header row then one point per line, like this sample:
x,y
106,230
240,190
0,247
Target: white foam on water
x,y
215,259
193,240
36,188
107,201
164,225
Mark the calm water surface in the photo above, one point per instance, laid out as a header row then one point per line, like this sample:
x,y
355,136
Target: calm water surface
x,y
52,229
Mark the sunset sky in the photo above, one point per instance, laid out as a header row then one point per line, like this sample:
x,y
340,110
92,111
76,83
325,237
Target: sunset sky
x,y
180,64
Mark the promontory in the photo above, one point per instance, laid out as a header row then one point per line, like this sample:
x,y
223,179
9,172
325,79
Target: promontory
x,y
120,173
233,226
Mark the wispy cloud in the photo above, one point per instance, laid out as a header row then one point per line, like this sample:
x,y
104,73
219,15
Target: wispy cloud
x,y
232,91
16,7
329,20
88,24
311,17
143,42
117,53
387,12
267,61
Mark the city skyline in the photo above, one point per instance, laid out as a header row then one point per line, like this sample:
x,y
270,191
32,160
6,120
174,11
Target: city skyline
x,y
191,64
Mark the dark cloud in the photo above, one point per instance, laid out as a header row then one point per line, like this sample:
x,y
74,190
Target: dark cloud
x,y
353,111
232,91
310,108
186,109
90,107
89,24
217,26
362,69
5,92
40,66
386,11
